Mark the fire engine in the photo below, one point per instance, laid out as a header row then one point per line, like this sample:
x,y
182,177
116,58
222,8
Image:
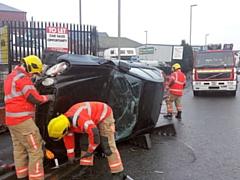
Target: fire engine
x,y
215,69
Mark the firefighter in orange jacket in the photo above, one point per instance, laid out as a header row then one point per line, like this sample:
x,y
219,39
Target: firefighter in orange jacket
x,y
20,100
96,120
175,86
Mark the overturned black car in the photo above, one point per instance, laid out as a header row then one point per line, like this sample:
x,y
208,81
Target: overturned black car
x,y
133,90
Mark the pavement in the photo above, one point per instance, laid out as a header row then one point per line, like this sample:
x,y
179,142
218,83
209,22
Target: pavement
x,y
6,149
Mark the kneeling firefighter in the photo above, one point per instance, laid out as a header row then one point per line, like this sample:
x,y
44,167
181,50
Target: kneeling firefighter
x,y
96,120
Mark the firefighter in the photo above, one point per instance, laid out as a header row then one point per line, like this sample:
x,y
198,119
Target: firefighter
x,y
175,86
20,100
96,120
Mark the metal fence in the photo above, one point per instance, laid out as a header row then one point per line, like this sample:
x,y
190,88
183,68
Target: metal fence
x,y
19,39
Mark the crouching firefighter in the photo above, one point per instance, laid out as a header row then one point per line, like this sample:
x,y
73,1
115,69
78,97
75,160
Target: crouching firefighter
x,y
175,86
96,120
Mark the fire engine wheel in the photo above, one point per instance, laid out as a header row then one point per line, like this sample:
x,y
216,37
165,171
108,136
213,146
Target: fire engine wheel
x,y
195,93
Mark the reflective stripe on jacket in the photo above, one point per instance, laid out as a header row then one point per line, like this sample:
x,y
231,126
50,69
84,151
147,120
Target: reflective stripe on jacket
x,y
176,82
20,97
84,118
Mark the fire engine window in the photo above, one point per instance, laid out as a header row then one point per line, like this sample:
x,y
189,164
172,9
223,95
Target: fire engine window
x,y
215,59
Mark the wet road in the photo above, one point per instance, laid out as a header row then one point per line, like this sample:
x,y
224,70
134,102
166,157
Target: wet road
x,y
206,146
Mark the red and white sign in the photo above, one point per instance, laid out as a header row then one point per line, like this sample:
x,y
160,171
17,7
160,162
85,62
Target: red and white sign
x,y
57,38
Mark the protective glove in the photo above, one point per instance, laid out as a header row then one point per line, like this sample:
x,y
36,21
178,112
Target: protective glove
x,y
71,160
88,154
51,97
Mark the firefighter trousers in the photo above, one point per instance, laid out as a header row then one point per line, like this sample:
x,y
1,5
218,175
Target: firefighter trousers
x,y
107,142
176,99
27,150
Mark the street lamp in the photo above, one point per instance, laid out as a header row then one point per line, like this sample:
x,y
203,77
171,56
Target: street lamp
x,y
80,12
206,38
80,25
146,43
119,29
191,22
146,37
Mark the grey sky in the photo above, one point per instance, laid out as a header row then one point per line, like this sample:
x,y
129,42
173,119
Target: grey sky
x,y
167,22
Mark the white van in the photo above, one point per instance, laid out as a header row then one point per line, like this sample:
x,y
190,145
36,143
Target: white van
x,y
128,54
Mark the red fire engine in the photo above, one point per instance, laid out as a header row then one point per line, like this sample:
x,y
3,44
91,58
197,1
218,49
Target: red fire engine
x,y
214,69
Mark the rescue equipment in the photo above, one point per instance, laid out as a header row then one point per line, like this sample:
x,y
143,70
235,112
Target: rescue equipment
x,y
6,167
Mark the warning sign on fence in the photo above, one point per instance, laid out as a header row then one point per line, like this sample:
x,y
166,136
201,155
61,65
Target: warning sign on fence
x,y
3,44
57,38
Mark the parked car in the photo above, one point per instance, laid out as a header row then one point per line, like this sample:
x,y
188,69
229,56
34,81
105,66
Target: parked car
x,y
133,90
21,46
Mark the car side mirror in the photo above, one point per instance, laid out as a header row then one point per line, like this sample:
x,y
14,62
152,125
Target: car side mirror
x,y
238,71
124,66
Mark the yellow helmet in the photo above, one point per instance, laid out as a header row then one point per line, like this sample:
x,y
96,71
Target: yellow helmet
x,y
33,64
176,66
58,127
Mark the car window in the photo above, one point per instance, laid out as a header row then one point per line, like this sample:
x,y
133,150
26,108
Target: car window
x,y
147,73
140,73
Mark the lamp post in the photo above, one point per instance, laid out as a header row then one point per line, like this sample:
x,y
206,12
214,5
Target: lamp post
x,y
191,22
80,12
80,24
146,43
146,37
119,29
206,35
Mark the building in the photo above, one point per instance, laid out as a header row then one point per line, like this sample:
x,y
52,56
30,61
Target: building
x,y
155,52
11,14
106,42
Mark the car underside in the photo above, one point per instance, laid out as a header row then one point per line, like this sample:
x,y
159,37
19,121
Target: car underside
x,y
133,90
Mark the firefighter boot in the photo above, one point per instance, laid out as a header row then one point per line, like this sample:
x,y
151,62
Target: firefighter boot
x,y
168,115
179,115
84,172
118,176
